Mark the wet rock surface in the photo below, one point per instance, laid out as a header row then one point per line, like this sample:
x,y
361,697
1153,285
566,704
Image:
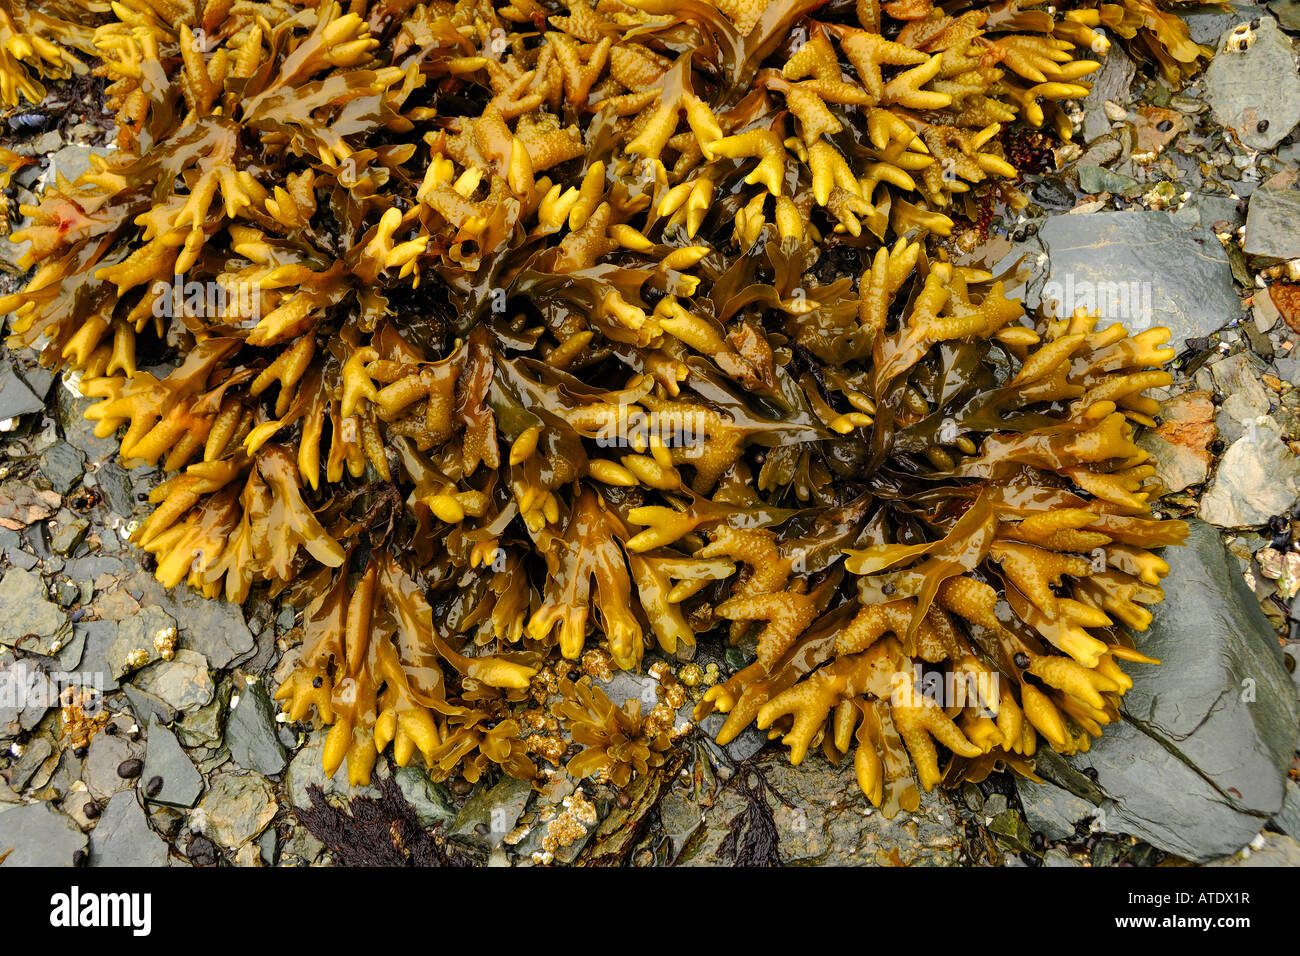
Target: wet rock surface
x,y
1258,477
1255,90
250,732
1271,226
169,775
39,835
1199,763
235,809
1139,268
122,837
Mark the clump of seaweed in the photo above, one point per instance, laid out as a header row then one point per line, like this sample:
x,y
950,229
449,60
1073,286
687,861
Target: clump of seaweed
x,y
501,340
616,740
379,831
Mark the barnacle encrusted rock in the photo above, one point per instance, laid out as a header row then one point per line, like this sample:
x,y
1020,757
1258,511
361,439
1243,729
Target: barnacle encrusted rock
x,y
499,341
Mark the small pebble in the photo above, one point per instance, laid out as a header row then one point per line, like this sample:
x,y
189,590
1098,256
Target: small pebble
x,y
201,851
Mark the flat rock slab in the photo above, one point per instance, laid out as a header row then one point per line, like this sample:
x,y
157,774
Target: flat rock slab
x,y
236,809
62,465
136,641
166,760
16,398
27,694
213,627
1053,811
29,620
182,682
122,837
1272,216
250,731
1198,764
39,835
1258,477
1255,91
1139,268
107,753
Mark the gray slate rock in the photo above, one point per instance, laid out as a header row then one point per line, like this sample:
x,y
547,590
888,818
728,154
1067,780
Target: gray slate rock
x,y
1288,13
181,783
250,732
1278,850
1258,477
1139,268
36,753
1051,810
1288,818
107,753
183,682
122,837
115,484
236,808
1198,764
136,634
491,813
215,628
432,802
26,693
79,432
146,707
1246,88
1113,82
16,398
1207,23
38,379
29,620
62,465
1272,216
40,836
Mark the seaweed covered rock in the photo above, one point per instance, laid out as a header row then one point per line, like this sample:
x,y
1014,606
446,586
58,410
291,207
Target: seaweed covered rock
x,y
512,340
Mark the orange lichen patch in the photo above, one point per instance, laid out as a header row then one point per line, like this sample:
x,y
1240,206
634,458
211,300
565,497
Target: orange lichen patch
x,y
500,345
1188,420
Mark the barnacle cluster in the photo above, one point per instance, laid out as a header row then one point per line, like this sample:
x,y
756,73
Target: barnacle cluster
x,y
500,341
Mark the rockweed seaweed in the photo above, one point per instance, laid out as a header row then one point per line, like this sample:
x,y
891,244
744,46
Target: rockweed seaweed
x,y
504,352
